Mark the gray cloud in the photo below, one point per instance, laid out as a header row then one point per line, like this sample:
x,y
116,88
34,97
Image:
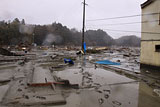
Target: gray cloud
x,y
69,12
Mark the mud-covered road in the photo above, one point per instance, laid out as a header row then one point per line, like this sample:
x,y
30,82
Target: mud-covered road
x,y
96,85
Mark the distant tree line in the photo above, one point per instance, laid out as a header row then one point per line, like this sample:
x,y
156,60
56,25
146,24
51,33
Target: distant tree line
x,y
18,32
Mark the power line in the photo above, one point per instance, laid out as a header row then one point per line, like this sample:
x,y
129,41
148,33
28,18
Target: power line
x,y
125,23
121,17
131,31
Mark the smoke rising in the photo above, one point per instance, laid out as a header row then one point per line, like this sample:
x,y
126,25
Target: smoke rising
x,y
52,39
26,29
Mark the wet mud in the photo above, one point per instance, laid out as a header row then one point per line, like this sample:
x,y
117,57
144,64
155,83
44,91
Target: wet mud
x,y
98,86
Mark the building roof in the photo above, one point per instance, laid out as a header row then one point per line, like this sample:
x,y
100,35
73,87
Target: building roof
x,y
148,2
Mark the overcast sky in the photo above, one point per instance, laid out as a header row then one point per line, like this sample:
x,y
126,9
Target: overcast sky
x,y
69,13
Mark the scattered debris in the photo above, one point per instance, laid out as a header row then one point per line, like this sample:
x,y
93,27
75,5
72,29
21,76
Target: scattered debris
x,y
19,89
99,91
101,101
92,51
107,62
106,96
53,57
26,96
126,55
7,53
101,48
67,84
89,84
40,97
108,91
68,61
44,84
79,52
157,91
116,103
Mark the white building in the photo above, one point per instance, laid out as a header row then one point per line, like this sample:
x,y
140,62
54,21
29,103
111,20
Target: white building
x,y
150,39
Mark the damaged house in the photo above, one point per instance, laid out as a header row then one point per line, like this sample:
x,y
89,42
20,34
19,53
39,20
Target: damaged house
x,y
150,38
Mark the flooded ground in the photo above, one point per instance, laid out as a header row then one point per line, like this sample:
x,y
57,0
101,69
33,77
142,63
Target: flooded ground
x,y
99,85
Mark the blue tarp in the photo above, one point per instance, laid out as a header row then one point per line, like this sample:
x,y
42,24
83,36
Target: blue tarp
x,y
68,61
107,62
84,46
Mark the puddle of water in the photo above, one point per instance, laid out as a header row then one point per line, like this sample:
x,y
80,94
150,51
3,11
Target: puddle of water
x,y
119,95
75,76
124,95
147,97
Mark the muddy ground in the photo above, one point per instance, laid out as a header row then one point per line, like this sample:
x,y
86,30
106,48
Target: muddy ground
x,y
91,85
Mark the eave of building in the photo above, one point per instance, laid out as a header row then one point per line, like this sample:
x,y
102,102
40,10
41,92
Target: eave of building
x,y
148,2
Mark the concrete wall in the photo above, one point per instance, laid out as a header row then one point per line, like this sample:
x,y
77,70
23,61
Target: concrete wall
x,y
148,41
148,54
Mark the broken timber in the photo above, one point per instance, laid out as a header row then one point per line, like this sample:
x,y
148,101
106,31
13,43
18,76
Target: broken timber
x,y
43,77
44,84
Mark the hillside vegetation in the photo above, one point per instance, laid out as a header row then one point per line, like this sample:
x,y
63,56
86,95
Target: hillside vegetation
x,y
17,32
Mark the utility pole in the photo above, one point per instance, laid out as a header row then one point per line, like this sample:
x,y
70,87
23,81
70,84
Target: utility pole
x,y
84,10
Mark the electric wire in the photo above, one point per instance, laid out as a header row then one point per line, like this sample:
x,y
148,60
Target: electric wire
x,y
121,17
126,23
130,31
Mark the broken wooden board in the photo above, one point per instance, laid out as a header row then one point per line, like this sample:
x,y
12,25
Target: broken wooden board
x,y
41,75
45,84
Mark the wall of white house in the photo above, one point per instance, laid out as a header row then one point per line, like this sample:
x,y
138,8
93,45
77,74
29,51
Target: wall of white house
x,y
153,24
150,43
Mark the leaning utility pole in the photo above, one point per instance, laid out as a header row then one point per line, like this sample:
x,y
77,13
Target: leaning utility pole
x,y
84,9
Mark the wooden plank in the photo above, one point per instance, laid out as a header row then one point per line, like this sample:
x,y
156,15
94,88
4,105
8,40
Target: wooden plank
x,y
40,75
45,84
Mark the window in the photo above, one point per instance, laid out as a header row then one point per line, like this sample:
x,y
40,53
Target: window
x,y
157,48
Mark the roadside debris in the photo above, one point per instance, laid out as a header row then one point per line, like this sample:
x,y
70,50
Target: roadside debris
x,y
44,84
66,83
93,51
47,81
101,101
101,48
157,91
107,62
42,77
7,53
116,103
80,52
68,61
